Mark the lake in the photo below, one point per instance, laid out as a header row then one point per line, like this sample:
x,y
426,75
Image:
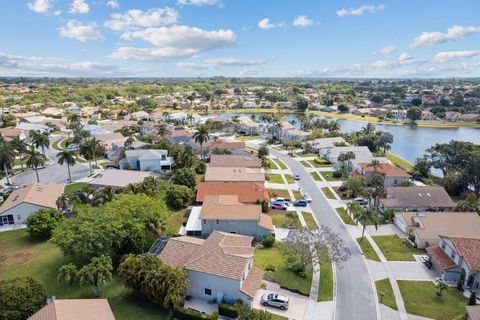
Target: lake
x,y
409,143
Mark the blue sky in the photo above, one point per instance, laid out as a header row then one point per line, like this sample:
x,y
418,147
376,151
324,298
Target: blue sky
x,y
275,38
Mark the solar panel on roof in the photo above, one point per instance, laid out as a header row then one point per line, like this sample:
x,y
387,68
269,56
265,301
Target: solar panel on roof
x,y
158,246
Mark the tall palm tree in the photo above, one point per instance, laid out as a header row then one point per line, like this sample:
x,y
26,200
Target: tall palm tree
x,y
201,136
128,143
68,157
7,156
375,164
20,147
104,195
40,140
353,207
87,150
35,159
96,147
68,274
366,216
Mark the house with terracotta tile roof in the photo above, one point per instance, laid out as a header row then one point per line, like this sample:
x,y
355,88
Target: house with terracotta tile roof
x,y
394,176
247,192
417,199
234,174
209,147
231,160
219,268
75,309
458,261
29,199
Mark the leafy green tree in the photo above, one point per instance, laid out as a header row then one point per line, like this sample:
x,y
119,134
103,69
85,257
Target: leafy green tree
x,y
128,143
8,120
367,216
470,204
179,196
200,167
40,140
68,274
96,273
186,158
42,223
104,195
421,168
254,314
263,152
21,297
34,160
354,186
68,157
414,113
7,156
185,177
201,137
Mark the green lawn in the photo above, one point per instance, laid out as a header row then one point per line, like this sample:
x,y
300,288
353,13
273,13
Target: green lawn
x,y
305,164
246,138
275,178
342,195
399,162
345,216
279,193
421,299
388,298
315,176
367,249
289,178
272,164
328,193
280,164
326,282
395,249
22,256
309,220
328,175
282,275
319,163
74,187
277,317
59,144
284,219
297,195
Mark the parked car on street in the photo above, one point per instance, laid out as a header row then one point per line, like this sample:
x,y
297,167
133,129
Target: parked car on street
x,y
296,176
279,206
307,197
275,300
300,203
73,147
6,190
361,201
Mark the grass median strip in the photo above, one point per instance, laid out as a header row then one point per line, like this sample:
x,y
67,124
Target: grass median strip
x,y
275,178
297,195
279,193
328,175
328,193
309,220
289,179
367,249
272,164
396,249
385,293
326,282
280,164
316,176
305,164
347,219
285,219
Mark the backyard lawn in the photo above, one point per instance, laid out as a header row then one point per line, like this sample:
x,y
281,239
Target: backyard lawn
x,y
388,298
328,193
367,249
275,178
319,163
284,219
280,164
399,162
347,219
282,274
421,299
74,187
395,249
326,282
309,220
279,193
272,164
289,178
22,256
315,176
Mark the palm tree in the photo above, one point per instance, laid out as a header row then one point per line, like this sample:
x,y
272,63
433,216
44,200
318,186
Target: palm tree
x,y
366,216
68,157
7,156
104,195
19,146
68,274
87,150
40,140
162,130
35,159
353,207
190,118
375,164
201,136
96,147
236,121
97,273
73,121
441,286
128,143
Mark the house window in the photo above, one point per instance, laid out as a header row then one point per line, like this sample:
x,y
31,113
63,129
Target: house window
x,y
208,292
204,221
452,255
232,221
443,245
217,221
395,181
19,217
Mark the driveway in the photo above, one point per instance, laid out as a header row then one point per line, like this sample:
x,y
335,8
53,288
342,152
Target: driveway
x,y
297,303
53,172
354,292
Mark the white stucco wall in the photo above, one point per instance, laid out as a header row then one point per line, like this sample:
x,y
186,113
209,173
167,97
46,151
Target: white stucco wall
x,y
22,211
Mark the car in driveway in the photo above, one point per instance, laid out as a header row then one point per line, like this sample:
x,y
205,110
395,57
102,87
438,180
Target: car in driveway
x,y
300,203
296,176
73,147
275,300
279,206
307,197
361,201
6,190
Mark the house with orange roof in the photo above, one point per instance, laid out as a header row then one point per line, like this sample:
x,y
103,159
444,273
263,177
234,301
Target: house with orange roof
x,y
219,268
394,176
246,192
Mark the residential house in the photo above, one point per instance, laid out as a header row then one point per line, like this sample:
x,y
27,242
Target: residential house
x,y
52,112
9,133
294,135
140,115
250,104
399,114
320,145
285,105
393,175
362,155
458,261
118,178
88,112
246,192
75,309
96,130
470,117
417,199
453,116
27,127
29,199
219,268
72,108
234,147
234,174
427,115
231,160
428,226
155,160
330,109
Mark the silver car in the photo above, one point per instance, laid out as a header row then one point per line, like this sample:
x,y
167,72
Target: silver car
x,y
275,300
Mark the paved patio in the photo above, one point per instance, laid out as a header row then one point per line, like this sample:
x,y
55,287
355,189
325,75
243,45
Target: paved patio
x,y
401,270
201,305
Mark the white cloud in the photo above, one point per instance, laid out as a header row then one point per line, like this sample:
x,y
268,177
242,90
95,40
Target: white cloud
x,y
265,24
303,21
40,6
404,57
83,32
360,10
135,19
196,2
174,42
387,49
248,72
79,6
221,62
57,13
452,34
113,4
7,61
446,56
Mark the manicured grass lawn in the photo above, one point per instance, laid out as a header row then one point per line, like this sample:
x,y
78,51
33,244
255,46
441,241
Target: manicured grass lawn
x,y
74,187
328,175
246,138
279,193
394,248
284,219
275,178
289,178
59,144
273,165
277,317
399,162
297,194
421,299
388,297
342,195
326,282
328,193
309,220
282,275
305,164
315,176
306,155
280,164
345,216
319,163
368,249
22,256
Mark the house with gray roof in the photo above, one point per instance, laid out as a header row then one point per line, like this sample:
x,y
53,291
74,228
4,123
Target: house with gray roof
x,y
417,199
155,160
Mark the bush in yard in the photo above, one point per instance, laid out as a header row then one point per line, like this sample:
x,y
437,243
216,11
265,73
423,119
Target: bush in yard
x,y
270,268
254,314
473,299
336,174
264,204
179,196
268,242
190,314
21,297
228,310
185,177
42,223
200,167
263,152
389,214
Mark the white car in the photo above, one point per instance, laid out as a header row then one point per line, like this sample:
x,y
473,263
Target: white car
x,y
275,300
307,197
